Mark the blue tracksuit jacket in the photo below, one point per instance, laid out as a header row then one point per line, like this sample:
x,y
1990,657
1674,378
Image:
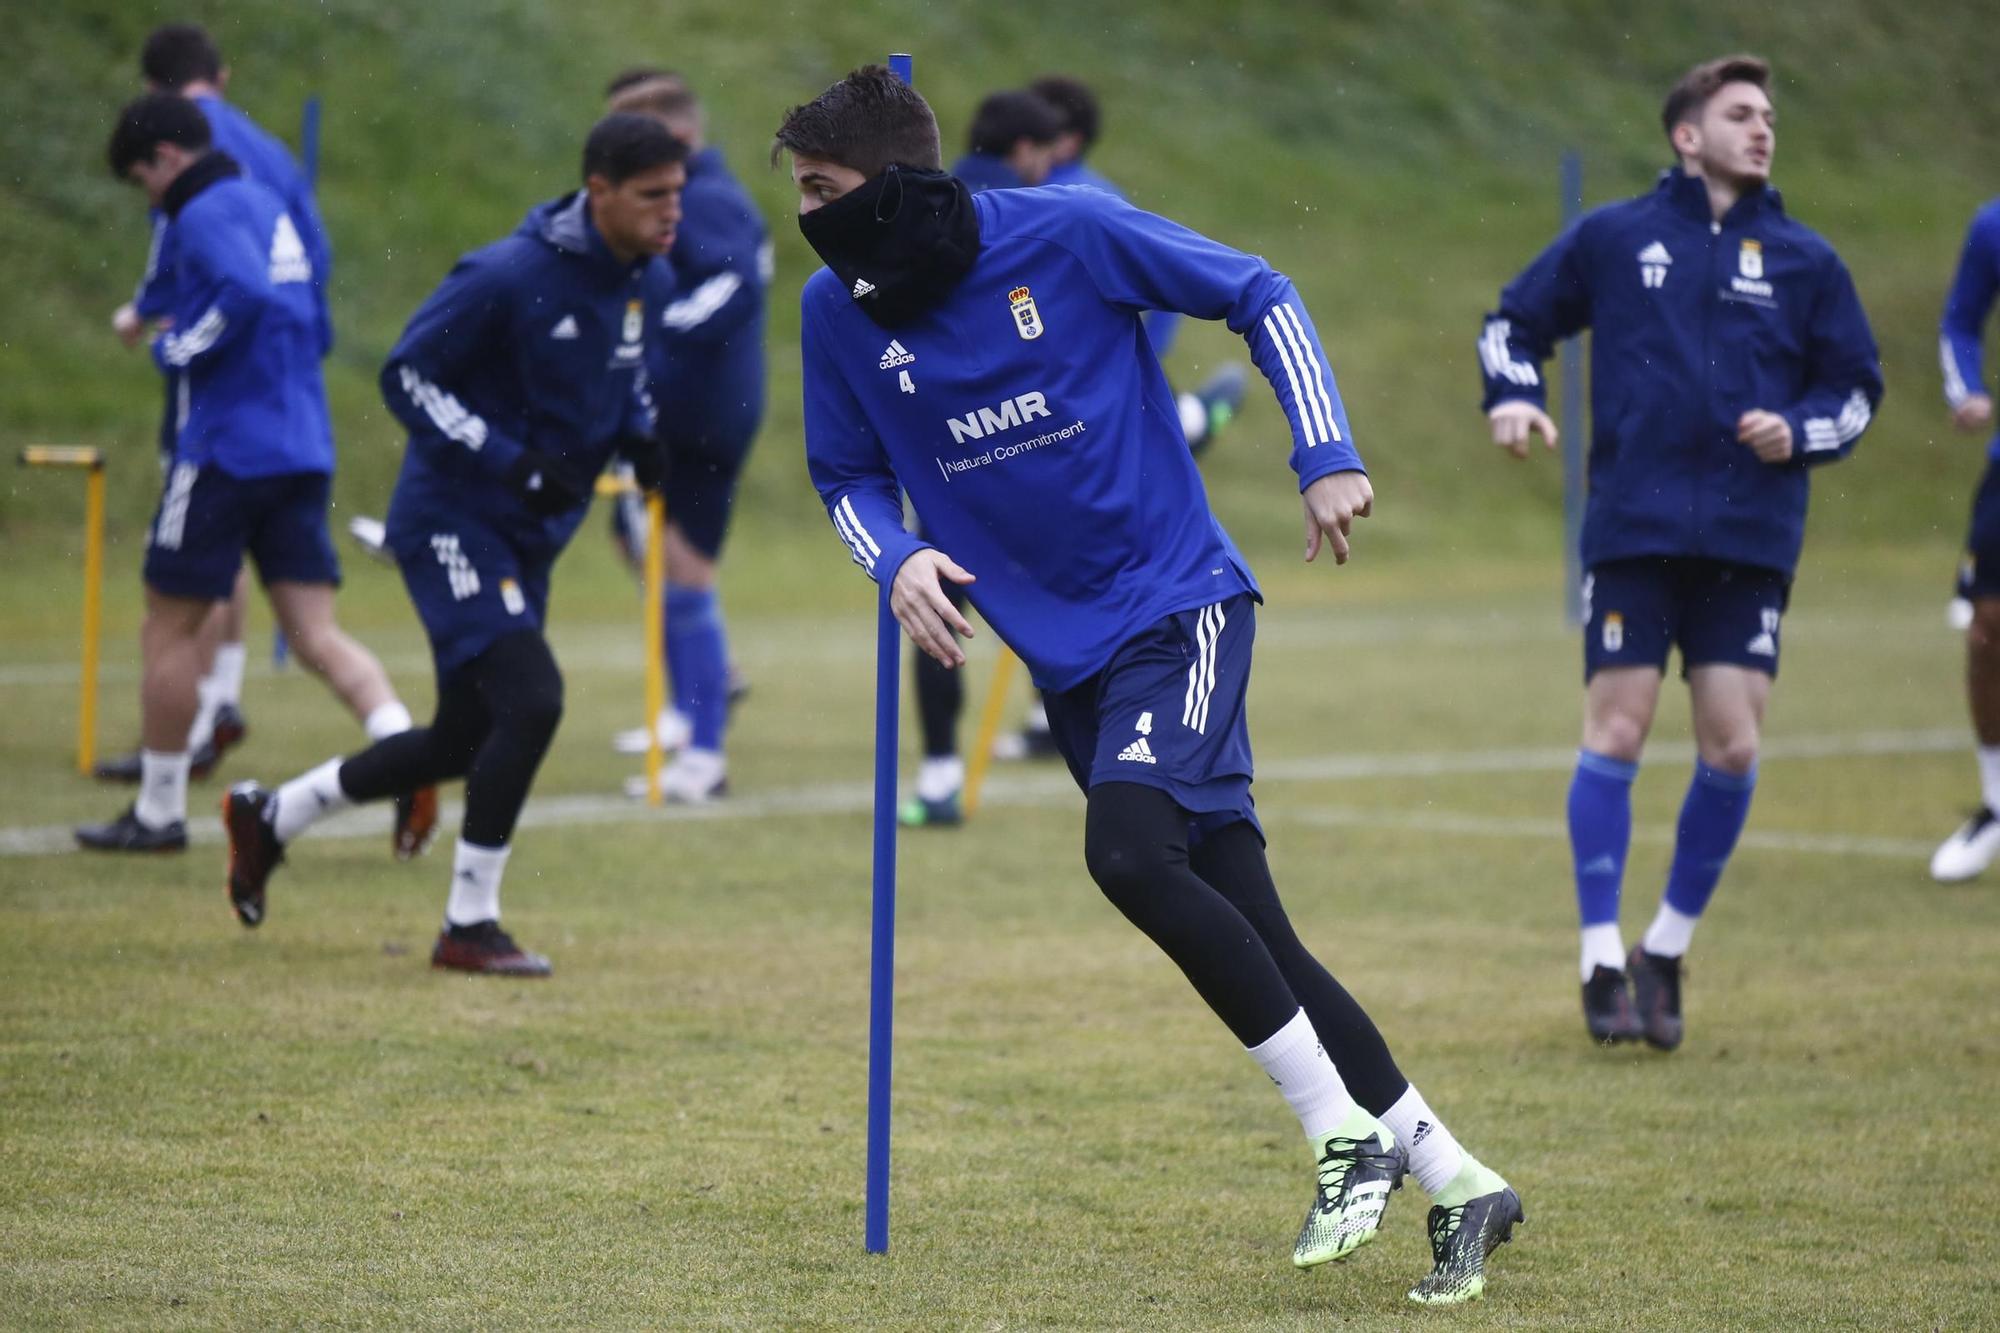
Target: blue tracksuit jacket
x,y
1693,323
534,342
245,336
1029,420
1960,344
707,363
265,160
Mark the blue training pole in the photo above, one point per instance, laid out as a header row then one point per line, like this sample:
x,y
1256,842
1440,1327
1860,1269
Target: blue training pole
x,y
281,650
882,936
1571,424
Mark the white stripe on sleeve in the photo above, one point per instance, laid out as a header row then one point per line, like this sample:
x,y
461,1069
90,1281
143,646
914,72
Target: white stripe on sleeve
x,y
1955,390
180,348
1291,377
700,306
1322,401
449,415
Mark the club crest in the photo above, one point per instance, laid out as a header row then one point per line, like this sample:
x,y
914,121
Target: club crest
x,y
1750,259
1027,319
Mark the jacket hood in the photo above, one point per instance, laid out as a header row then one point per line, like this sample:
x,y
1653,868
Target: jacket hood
x,y
564,224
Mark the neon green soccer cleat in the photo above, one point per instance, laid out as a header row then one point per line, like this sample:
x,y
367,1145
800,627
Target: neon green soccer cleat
x,y
1461,1238
1359,1164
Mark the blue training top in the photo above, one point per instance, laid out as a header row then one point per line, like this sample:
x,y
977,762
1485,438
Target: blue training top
x,y
1030,422
245,336
1973,288
1694,322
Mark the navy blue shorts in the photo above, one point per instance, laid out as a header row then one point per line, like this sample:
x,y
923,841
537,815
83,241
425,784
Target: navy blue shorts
x,y
208,519
701,491
1169,712
1983,542
471,587
1720,614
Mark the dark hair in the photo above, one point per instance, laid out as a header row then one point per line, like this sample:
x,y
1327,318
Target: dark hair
x,y
1006,118
1691,94
179,54
1073,101
668,98
639,74
867,121
147,122
621,146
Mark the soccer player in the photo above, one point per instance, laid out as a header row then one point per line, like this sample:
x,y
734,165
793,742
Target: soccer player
x,y
181,58
1731,357
1971,849
1035,433
1011,143
253,456
517,380
705,356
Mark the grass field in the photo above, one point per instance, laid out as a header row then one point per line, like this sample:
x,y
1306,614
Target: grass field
x,y
207,1127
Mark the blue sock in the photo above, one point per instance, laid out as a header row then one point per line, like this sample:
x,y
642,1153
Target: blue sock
x,y
698,660
1711,818
1600,832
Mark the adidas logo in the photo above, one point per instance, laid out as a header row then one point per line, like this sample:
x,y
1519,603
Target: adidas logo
x,y
565,330
862,287
1138,752
1606,864
288,261
1655,253
897,355
1763,645
1422,1132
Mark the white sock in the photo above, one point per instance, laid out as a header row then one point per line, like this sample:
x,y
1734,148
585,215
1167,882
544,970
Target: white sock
x,y
225,675
203,729
1297,1063
940,778
1670,932
1602,944
389,719
475,884
1989,776
1194,417
163,788
1435,1156
305,798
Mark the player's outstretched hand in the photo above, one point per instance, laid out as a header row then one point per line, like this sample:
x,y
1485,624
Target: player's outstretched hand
x,y
1513,422
1768,435
1332,504
917,600
1974,414
125,322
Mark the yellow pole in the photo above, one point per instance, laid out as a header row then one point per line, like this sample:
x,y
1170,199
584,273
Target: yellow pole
x,y
90,460
656,664
93,616
989,728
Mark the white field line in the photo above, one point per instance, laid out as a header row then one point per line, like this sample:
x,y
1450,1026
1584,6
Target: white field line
x,y
1053,788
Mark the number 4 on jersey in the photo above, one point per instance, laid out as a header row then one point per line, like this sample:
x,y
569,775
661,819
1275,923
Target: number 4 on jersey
x,y
903,380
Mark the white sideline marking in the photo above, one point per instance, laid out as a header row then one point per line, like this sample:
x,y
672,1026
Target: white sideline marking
x,y
1055,788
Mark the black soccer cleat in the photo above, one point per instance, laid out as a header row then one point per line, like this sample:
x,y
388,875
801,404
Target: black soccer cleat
x,y
1656,993
416,823
1607,1008
254,849
484,947
229,731
128,834
1461,1239
1355,1177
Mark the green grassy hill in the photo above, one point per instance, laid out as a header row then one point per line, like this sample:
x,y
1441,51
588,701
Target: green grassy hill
x,y
1398,159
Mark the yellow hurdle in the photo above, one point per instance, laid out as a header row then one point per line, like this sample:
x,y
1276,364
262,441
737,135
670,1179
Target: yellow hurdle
x,y
91,461
610,486
989,729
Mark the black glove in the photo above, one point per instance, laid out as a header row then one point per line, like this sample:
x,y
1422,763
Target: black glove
x,y
649,460
542,485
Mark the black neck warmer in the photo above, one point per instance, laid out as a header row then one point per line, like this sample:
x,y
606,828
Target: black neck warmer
x,y
201,173
898,243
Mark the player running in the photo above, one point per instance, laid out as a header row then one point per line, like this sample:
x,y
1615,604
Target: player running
x,y
1960,348
1730,358
253,453
517,380
1033,429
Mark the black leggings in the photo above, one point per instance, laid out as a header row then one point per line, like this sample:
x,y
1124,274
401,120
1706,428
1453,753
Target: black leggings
x,y
495,718
1216,913
940,693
